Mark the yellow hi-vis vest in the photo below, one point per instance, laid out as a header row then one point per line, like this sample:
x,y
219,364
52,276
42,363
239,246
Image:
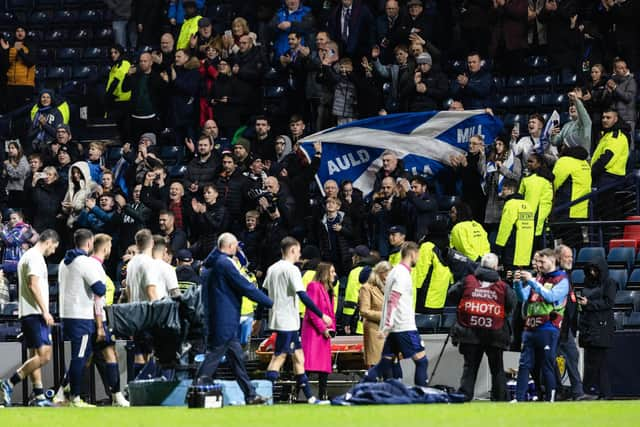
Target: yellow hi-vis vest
x,y
189,28
63,108
307,277
119,72
110,293
538,192
517,218
470,238
576,174
430,277
395,258
247,307
619,146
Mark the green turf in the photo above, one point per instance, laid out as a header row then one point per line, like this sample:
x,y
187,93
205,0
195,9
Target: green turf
x,y
583,414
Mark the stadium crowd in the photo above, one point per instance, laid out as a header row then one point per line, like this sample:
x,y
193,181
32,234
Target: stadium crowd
x,y
198,83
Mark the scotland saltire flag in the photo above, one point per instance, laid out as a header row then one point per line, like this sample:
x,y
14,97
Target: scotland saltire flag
x,y
425,142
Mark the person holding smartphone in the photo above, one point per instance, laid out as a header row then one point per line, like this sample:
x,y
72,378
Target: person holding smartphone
x,y
546,298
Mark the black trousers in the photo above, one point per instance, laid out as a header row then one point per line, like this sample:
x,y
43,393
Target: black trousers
x,y
233,350
596,374
473,354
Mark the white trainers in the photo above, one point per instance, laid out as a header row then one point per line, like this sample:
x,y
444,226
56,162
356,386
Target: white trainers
x,y
117,399
315,401
60,398
77,402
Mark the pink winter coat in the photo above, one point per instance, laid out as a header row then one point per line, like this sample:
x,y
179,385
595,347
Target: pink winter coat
x,y
317,348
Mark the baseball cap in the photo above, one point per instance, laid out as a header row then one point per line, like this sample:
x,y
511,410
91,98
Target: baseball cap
x,y
184,255
360,250
204,22
398,229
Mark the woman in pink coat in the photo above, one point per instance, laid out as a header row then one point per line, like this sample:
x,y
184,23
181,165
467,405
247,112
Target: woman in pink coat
x,y
316,336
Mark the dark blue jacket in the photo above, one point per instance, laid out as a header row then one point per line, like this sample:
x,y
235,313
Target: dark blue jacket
x,y
222,294
477,93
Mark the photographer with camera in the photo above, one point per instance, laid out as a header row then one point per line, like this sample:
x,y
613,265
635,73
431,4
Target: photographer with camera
x,y
546,298
485,304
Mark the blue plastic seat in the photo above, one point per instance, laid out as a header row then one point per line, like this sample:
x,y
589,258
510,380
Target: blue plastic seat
x,y
508,101
96,53
41,73
65,16
14,5
48,3
44,54
545,81
516,82
618,318
621,258
567,78
627,300
499,82
428,323
84,71
55,37
620,276
577,279
81,35
588,254
177,171
274,91
171,155
554,99
634,280
36,35
531,101
41,17
632,321
68,54
7,18
537,62
59,72
271,74
90,15
103,34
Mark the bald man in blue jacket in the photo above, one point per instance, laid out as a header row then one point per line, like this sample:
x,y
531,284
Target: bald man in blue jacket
x,y
223,289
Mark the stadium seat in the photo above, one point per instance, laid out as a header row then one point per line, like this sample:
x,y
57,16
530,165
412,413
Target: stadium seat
x,y
577,279
567,78
48,3
274,91
531,101
445,202
632,231
54,37
517,82
81,35
9,309
508,101
36,35
84,71
588,254
634,280
448,320
618,318
621,258
626,301
90,15
171,155
554,99
103,34
620,276
68,54
537,62
23,5
7,18
65,16
499,83
546,81
41,17
632,321
59,72
96,53
458,66
428,323
271,75
177,171
44,54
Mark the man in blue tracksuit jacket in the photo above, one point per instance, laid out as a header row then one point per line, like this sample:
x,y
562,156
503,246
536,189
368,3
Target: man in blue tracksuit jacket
x,y
222,292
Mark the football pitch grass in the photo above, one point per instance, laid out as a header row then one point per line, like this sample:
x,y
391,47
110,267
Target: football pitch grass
x,y
584,414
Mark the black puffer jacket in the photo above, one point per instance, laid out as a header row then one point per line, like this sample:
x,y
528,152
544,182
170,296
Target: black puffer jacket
x,y
232,192
464,335
596,323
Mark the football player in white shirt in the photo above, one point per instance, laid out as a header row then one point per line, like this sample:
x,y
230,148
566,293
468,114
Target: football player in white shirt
x,y
143,283
79,282
398,323
169,279
103,340
284,286
33,310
